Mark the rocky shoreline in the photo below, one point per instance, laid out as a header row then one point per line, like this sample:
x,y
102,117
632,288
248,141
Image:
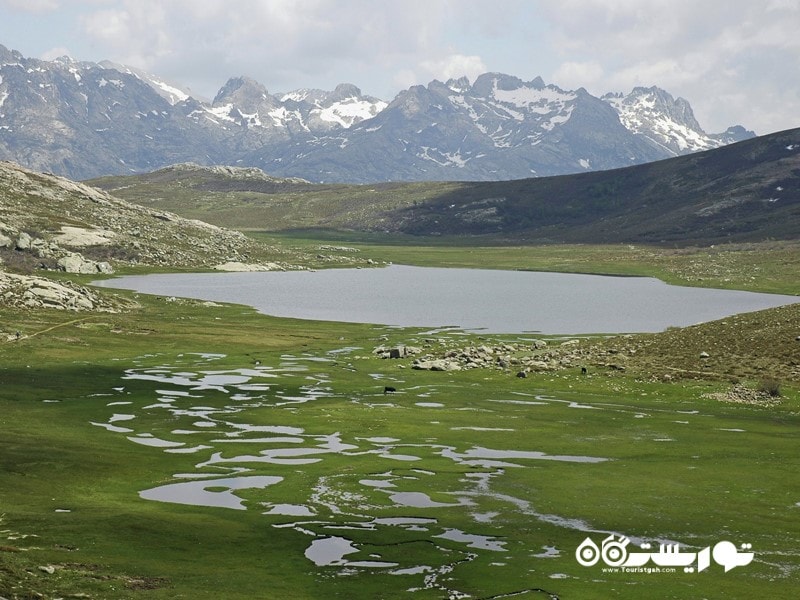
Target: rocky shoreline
x,y
33,292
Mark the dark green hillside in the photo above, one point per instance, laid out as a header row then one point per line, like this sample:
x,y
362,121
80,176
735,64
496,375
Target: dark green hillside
x,y
749,191
746,191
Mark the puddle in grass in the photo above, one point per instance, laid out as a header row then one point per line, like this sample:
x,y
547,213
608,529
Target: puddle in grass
x,y
240,465
209,492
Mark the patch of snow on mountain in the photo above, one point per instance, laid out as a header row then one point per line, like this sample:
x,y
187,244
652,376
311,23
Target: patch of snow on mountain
x,y
350,111
499,137
173,94
222,112
3,98
540,101
448,159
461,102
281,116
558,119
296,96
253,120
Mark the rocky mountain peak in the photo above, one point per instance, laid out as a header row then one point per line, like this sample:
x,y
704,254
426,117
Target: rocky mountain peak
x,y
733,134
344,91
9,56
664,121
460,85
241,91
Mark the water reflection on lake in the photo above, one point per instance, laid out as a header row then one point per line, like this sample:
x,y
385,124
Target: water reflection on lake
x,y
490,300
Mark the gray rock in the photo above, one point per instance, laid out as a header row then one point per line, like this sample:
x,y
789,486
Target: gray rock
x,y
24,241
75,263
436,365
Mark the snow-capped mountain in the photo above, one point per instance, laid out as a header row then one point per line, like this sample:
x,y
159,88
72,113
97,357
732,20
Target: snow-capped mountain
x,y
82,119
248,104
500,127
668,123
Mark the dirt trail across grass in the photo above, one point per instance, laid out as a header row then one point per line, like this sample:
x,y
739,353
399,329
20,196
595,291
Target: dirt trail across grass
x,y
17,338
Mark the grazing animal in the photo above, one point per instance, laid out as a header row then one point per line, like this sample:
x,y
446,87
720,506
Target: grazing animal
x,y
583,371
389,390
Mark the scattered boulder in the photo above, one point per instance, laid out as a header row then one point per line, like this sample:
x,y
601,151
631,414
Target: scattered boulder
x,y
400,351
24,241
76,263
539,365
439,364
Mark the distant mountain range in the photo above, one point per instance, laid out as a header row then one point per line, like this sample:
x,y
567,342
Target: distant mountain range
x,y
743,192
83,119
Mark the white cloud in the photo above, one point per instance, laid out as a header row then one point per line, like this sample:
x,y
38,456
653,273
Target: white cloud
x,y
454,66
138,33
720,56
735,61
31,6
278,40
54,53
574,74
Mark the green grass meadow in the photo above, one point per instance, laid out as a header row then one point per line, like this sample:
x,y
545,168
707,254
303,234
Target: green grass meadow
x,y
469,484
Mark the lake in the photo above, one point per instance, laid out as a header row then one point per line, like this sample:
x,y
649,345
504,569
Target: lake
x,y
492,301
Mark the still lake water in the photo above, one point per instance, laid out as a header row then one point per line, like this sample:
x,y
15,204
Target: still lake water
x,y
476,299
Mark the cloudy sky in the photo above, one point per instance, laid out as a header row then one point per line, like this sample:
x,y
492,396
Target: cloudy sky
x,y
735,61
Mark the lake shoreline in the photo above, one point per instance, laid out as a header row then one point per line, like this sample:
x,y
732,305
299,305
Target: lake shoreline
x,y
478,300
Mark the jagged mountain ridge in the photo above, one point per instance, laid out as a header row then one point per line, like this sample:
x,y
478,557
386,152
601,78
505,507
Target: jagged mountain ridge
x,y
82,119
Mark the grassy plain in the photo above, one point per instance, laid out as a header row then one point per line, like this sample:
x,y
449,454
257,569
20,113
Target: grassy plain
x,y
435,491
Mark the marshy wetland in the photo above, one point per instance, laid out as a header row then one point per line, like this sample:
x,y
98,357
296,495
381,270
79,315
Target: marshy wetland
x,y
190,450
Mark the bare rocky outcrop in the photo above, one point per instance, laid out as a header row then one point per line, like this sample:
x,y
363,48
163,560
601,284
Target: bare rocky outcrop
x,y
49,223
76,228
26,291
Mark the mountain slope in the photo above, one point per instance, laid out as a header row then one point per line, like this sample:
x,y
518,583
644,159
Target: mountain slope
x,y
81,120
746,191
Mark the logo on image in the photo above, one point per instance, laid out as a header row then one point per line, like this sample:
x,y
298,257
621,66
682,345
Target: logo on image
x,y
614,552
